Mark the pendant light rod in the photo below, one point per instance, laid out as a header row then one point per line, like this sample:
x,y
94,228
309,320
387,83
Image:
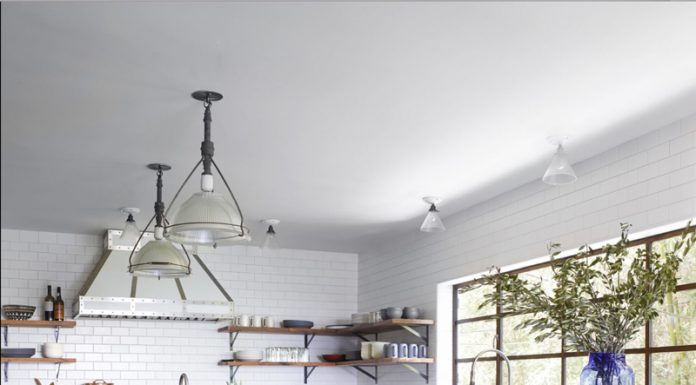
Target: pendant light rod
x,y
159,205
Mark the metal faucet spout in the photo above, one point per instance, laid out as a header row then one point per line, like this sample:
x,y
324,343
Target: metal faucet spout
x,y
183,379
472,380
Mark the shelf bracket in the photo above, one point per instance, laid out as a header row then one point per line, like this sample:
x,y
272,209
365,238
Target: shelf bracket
x,y
308,338
425,375
415,333
58,371
308,372
4,371
362,337
56,333
233,338
375,376
233,372
4,334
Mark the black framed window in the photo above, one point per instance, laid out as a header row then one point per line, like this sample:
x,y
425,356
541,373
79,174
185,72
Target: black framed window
x,y
664,354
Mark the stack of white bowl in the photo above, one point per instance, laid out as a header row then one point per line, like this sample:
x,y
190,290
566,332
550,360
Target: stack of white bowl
x,y
360,318
248,355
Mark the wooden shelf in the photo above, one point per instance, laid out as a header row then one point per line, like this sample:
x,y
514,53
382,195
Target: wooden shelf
x,y
387,361
38,323
380,327
252,329
39,360
264,363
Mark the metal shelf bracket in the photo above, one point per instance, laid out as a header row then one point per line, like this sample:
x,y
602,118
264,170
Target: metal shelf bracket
x,y
4,334
233,372
374,376
308,372
426,375
4,371
413,331
308,338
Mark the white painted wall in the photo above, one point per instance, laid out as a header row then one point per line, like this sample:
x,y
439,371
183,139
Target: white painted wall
x,y
297,284
649,182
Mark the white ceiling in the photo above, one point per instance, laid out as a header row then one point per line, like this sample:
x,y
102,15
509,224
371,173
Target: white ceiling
x,y
337,117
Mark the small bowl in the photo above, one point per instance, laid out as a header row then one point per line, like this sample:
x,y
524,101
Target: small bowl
x,y
334,357
393,313
18,312
411,312
52,350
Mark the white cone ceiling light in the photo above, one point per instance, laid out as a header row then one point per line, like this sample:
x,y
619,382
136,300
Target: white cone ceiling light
x,y
159,258
207,217
270,242
432,222
559,172
130,229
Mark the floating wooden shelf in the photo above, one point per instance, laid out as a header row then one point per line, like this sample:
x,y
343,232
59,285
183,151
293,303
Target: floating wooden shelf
x,y
264,363
387,361
39,360
380,327
38,323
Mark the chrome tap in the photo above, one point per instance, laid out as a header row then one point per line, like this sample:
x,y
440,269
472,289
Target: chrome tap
x,y
472,381
183,379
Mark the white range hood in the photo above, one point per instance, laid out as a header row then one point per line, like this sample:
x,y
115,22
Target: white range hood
x,y
111,291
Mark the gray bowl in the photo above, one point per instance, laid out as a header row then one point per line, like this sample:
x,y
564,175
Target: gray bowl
x,y
393,313
411,312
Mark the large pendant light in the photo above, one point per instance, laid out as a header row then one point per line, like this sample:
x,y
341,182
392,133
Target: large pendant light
x,y
560,171
159,257
207,217
432,222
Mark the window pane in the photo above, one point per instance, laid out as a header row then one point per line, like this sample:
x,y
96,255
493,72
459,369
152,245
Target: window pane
x,y
574,367
473,337
676,324
638,340
674,368
543,276
469,301
485,373
538,372
520,341
687,269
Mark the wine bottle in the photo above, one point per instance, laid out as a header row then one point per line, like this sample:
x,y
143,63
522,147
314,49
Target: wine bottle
x,y
48,305
58,307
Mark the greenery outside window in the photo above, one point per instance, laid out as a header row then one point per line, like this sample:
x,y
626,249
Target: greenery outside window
x,y
665,354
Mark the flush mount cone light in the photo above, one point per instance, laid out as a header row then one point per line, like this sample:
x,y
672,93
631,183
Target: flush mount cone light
x,y
159,257
130,229
270,244
432,222
207,217
560,171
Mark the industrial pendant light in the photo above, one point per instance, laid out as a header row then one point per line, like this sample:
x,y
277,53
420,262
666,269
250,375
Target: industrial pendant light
x,y
432,222
159,257
207,217
130,229
559,171
270,242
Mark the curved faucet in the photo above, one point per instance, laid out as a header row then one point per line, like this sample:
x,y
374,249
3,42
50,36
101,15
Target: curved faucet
x,y
472,380
183,379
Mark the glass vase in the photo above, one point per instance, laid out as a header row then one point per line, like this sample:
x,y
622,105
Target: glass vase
x,y
607,369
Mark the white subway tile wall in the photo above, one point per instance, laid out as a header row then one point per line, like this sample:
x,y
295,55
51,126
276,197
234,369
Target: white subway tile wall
x,y
296,284
649,182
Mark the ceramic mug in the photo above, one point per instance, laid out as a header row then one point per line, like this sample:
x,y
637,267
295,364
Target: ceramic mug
x,y
377,350
268,322
413,351
257,321
422,351
391,351
403,350
243,320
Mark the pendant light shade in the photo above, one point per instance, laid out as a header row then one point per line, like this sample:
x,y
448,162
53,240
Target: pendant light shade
x,y
207,217
559,171
159,257
130,229
270,244
432,222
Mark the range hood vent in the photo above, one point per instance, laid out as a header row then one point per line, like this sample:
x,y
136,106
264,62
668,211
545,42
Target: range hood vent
x,y
112,292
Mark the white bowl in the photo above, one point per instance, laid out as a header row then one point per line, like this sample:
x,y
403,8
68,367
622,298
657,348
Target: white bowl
x,y
52,350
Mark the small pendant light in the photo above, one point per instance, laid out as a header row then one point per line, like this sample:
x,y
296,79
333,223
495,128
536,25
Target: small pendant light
x,y
207,217
159,257
432,222
130,229
559,172
270,244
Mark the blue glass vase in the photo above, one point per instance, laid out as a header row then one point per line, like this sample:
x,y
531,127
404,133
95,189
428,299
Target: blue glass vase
x,y
607,369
